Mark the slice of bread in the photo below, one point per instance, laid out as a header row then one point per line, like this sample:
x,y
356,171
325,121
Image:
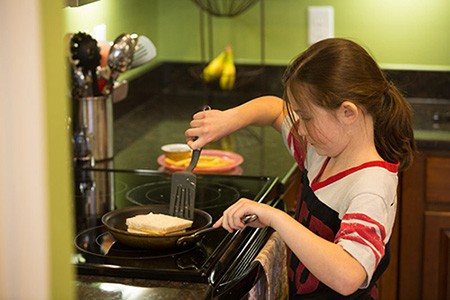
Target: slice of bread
x,y
156,224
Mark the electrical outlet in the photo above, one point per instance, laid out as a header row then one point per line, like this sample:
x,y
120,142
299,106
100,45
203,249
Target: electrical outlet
x,y
320,23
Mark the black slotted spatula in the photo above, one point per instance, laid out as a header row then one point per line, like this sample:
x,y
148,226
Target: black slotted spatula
x,y
182,192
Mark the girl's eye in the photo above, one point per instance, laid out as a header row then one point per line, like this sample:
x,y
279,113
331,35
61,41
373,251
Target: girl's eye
x,y
304,118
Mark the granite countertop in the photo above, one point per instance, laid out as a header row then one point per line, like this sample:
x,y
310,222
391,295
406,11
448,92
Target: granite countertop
x,y
107,288
140,133
161,103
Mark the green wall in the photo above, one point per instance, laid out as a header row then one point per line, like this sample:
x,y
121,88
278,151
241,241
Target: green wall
x,y
59,166
401,34
131,16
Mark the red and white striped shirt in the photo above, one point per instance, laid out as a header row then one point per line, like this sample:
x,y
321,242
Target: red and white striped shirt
x,y
364,199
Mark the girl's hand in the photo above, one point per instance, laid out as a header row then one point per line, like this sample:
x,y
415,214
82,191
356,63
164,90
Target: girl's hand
x,y
233,216
209,126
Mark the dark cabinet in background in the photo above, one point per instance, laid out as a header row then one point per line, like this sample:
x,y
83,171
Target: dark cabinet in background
x,y
424,231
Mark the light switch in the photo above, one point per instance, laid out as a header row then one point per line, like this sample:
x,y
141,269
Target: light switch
x,y
320,23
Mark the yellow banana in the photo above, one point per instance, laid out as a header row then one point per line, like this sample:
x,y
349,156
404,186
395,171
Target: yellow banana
x,y
214,69
228,76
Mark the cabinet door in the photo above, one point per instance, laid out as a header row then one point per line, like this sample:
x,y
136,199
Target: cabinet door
x,y
438,180
412,206
388,283
436,272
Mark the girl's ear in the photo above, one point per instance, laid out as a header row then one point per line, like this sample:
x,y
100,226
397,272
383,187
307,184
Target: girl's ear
x,y
348,112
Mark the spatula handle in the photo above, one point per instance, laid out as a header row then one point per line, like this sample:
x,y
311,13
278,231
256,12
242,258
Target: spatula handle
x,y
196,152
194,159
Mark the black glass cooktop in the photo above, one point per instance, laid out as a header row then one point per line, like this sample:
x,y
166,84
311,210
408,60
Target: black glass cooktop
x,y
98,253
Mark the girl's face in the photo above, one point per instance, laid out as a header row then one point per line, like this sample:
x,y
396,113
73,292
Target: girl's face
x,y
321,128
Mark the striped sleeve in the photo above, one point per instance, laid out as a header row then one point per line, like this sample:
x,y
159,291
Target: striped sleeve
x,y
363,235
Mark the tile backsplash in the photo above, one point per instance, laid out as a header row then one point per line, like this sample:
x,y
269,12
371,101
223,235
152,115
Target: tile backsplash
x,y
422,84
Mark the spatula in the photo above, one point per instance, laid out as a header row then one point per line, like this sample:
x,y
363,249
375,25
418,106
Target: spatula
x,y
182,192
145,52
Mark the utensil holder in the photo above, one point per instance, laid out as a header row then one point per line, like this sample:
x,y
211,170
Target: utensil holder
x,y
94,195
96,115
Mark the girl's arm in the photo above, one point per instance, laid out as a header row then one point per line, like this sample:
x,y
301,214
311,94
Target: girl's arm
x,y
329,262
212,125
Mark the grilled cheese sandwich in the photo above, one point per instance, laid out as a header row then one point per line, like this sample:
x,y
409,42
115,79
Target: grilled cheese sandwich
x,y
156,224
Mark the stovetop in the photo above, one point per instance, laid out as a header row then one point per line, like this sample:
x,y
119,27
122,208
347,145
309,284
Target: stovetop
x,y
98,253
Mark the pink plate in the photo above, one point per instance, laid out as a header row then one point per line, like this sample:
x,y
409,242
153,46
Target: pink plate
x,y
237,160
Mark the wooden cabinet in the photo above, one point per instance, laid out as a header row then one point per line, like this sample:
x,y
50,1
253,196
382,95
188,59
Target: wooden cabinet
x,y
420,268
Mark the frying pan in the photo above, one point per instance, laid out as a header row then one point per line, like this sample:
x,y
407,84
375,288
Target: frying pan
x,y
115,223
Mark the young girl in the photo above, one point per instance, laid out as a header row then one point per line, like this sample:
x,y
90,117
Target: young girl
x,y
350,131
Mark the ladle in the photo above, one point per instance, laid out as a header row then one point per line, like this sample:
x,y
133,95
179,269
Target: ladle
x,y
121,53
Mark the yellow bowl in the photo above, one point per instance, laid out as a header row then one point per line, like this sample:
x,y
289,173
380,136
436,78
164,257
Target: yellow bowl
x,y
176,151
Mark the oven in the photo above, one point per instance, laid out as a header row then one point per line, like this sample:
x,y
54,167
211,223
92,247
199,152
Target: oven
x,y
219,266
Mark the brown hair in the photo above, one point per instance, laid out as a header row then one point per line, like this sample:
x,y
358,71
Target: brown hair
x,y
335,70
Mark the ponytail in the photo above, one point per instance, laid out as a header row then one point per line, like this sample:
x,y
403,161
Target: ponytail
x,y
394,135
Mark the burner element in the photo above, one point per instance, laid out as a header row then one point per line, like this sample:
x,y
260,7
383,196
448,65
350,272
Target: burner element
x,y
98,241
207,195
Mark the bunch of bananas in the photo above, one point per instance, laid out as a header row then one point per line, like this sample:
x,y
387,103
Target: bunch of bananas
x,y
222,67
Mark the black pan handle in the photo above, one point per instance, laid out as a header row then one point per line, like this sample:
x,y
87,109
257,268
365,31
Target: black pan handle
x,y
194,159
193,238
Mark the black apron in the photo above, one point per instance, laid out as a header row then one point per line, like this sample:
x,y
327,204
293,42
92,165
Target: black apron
x,y
325,222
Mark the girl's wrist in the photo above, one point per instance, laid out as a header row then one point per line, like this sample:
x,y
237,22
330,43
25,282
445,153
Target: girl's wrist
x,y
278,218
237,117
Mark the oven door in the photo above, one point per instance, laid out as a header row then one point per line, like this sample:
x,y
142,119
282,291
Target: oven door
x,y
246,278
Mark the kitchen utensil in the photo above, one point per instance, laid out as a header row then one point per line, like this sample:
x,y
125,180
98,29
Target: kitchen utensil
x,y
104,52
119,60
115,223
145,52
121,54
96,115
86,54
81,87
182,193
